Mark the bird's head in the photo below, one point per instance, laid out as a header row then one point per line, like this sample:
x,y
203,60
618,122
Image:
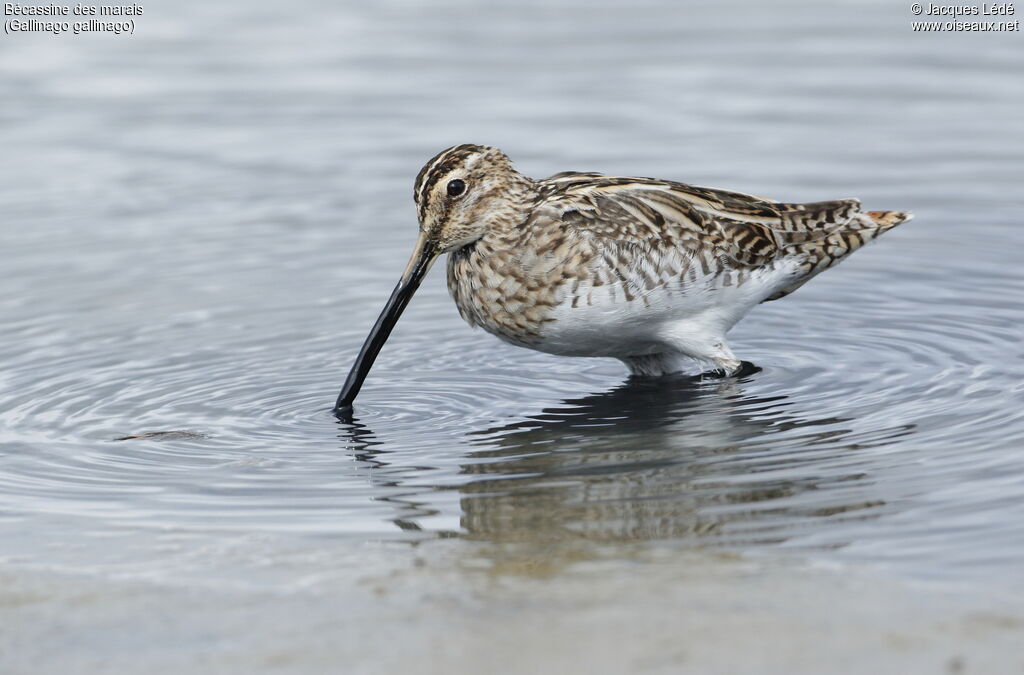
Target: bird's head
x,y
466,191
461,194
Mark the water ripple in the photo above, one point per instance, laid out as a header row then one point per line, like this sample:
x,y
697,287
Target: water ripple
x,y
201,283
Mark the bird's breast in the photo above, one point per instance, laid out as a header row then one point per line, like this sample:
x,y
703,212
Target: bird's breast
x,y
572,303
556,301
495,291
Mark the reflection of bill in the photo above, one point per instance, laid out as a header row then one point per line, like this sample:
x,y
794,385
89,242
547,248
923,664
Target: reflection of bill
x,y
657,459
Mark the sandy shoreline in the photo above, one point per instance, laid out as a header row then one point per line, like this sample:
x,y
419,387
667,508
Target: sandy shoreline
x,y
444,607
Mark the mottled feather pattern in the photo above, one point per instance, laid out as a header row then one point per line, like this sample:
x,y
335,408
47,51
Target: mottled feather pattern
x,y
617,231
614,252
727,233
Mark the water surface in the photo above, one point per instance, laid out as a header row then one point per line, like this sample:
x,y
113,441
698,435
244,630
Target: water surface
x,y
200,224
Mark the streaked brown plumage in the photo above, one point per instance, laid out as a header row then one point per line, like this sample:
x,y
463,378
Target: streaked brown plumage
x,y
645,270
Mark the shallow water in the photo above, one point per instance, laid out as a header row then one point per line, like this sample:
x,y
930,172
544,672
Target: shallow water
x,y
201,223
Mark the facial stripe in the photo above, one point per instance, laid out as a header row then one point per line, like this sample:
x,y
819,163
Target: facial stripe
x,y
438,167
425,170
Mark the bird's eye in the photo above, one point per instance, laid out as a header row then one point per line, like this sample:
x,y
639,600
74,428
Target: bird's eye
x,y
456,187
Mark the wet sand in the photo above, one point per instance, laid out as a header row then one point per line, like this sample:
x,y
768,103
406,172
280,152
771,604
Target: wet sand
x,y
453,607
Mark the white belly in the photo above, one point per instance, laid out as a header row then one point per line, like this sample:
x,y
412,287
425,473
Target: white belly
x,y
688,318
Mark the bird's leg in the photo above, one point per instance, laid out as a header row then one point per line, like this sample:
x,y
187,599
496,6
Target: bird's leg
x,y
654,365
726,362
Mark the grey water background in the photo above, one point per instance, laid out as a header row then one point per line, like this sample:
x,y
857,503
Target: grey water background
x,y
200,223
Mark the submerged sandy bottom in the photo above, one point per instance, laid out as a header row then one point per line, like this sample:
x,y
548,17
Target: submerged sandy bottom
x,y
452,606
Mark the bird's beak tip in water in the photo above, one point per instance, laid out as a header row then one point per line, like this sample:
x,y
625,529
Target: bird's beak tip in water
x,y
422,258
344,413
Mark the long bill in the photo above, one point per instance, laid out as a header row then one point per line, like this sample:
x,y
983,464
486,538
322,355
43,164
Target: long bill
x,y
422,258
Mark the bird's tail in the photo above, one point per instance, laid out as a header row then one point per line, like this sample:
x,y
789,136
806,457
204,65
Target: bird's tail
x,y
886,220
833,245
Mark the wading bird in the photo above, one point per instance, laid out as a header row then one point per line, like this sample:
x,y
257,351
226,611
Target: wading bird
x,y
651,272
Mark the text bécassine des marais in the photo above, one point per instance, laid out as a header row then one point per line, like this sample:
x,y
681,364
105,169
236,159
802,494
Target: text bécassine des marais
x,y
80,9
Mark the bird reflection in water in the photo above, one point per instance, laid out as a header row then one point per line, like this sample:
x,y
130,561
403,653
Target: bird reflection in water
x,y
670,458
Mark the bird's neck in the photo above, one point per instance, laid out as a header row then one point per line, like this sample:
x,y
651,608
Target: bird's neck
x,y
508,220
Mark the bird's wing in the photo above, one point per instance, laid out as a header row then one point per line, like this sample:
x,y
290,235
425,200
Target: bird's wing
x,y
646,229
747,229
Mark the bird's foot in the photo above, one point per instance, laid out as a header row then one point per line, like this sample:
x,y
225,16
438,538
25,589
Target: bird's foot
x,y
731,368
